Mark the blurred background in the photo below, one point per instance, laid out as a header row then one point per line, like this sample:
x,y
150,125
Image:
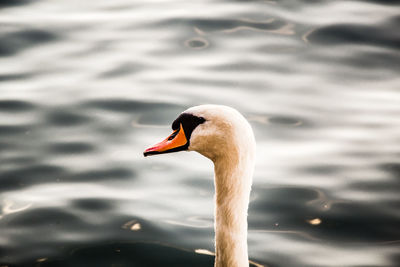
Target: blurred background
x,y
85,86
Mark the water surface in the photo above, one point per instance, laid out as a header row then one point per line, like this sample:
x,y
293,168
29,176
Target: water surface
x,y
86,86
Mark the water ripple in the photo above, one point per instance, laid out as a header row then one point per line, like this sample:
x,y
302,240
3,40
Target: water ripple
x,y
71,148
15,106
358,34
17,41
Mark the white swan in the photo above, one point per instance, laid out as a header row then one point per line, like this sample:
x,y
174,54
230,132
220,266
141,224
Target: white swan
x,y
223,135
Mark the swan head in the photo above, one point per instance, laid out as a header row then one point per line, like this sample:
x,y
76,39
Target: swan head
x,y
212,130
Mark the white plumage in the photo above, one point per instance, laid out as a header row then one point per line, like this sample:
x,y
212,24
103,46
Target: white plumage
x,y
228,140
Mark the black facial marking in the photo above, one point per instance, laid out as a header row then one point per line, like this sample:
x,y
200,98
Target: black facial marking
x,y
172,136
189,123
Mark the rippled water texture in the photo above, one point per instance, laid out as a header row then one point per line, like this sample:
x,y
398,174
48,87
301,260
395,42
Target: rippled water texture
x,y
85,86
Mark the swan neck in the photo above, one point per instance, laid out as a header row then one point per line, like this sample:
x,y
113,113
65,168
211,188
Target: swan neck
x,y
233,178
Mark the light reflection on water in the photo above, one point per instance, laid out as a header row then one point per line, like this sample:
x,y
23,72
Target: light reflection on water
x,y
84,88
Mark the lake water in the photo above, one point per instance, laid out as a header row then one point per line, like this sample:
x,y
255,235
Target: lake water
x,y
86,86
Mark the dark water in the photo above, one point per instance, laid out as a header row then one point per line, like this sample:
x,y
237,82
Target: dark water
x,y
85,86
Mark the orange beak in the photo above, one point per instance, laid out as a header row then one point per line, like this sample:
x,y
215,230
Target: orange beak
x,y
173,143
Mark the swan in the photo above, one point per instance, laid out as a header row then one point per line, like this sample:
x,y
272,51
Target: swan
x,y
223,135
